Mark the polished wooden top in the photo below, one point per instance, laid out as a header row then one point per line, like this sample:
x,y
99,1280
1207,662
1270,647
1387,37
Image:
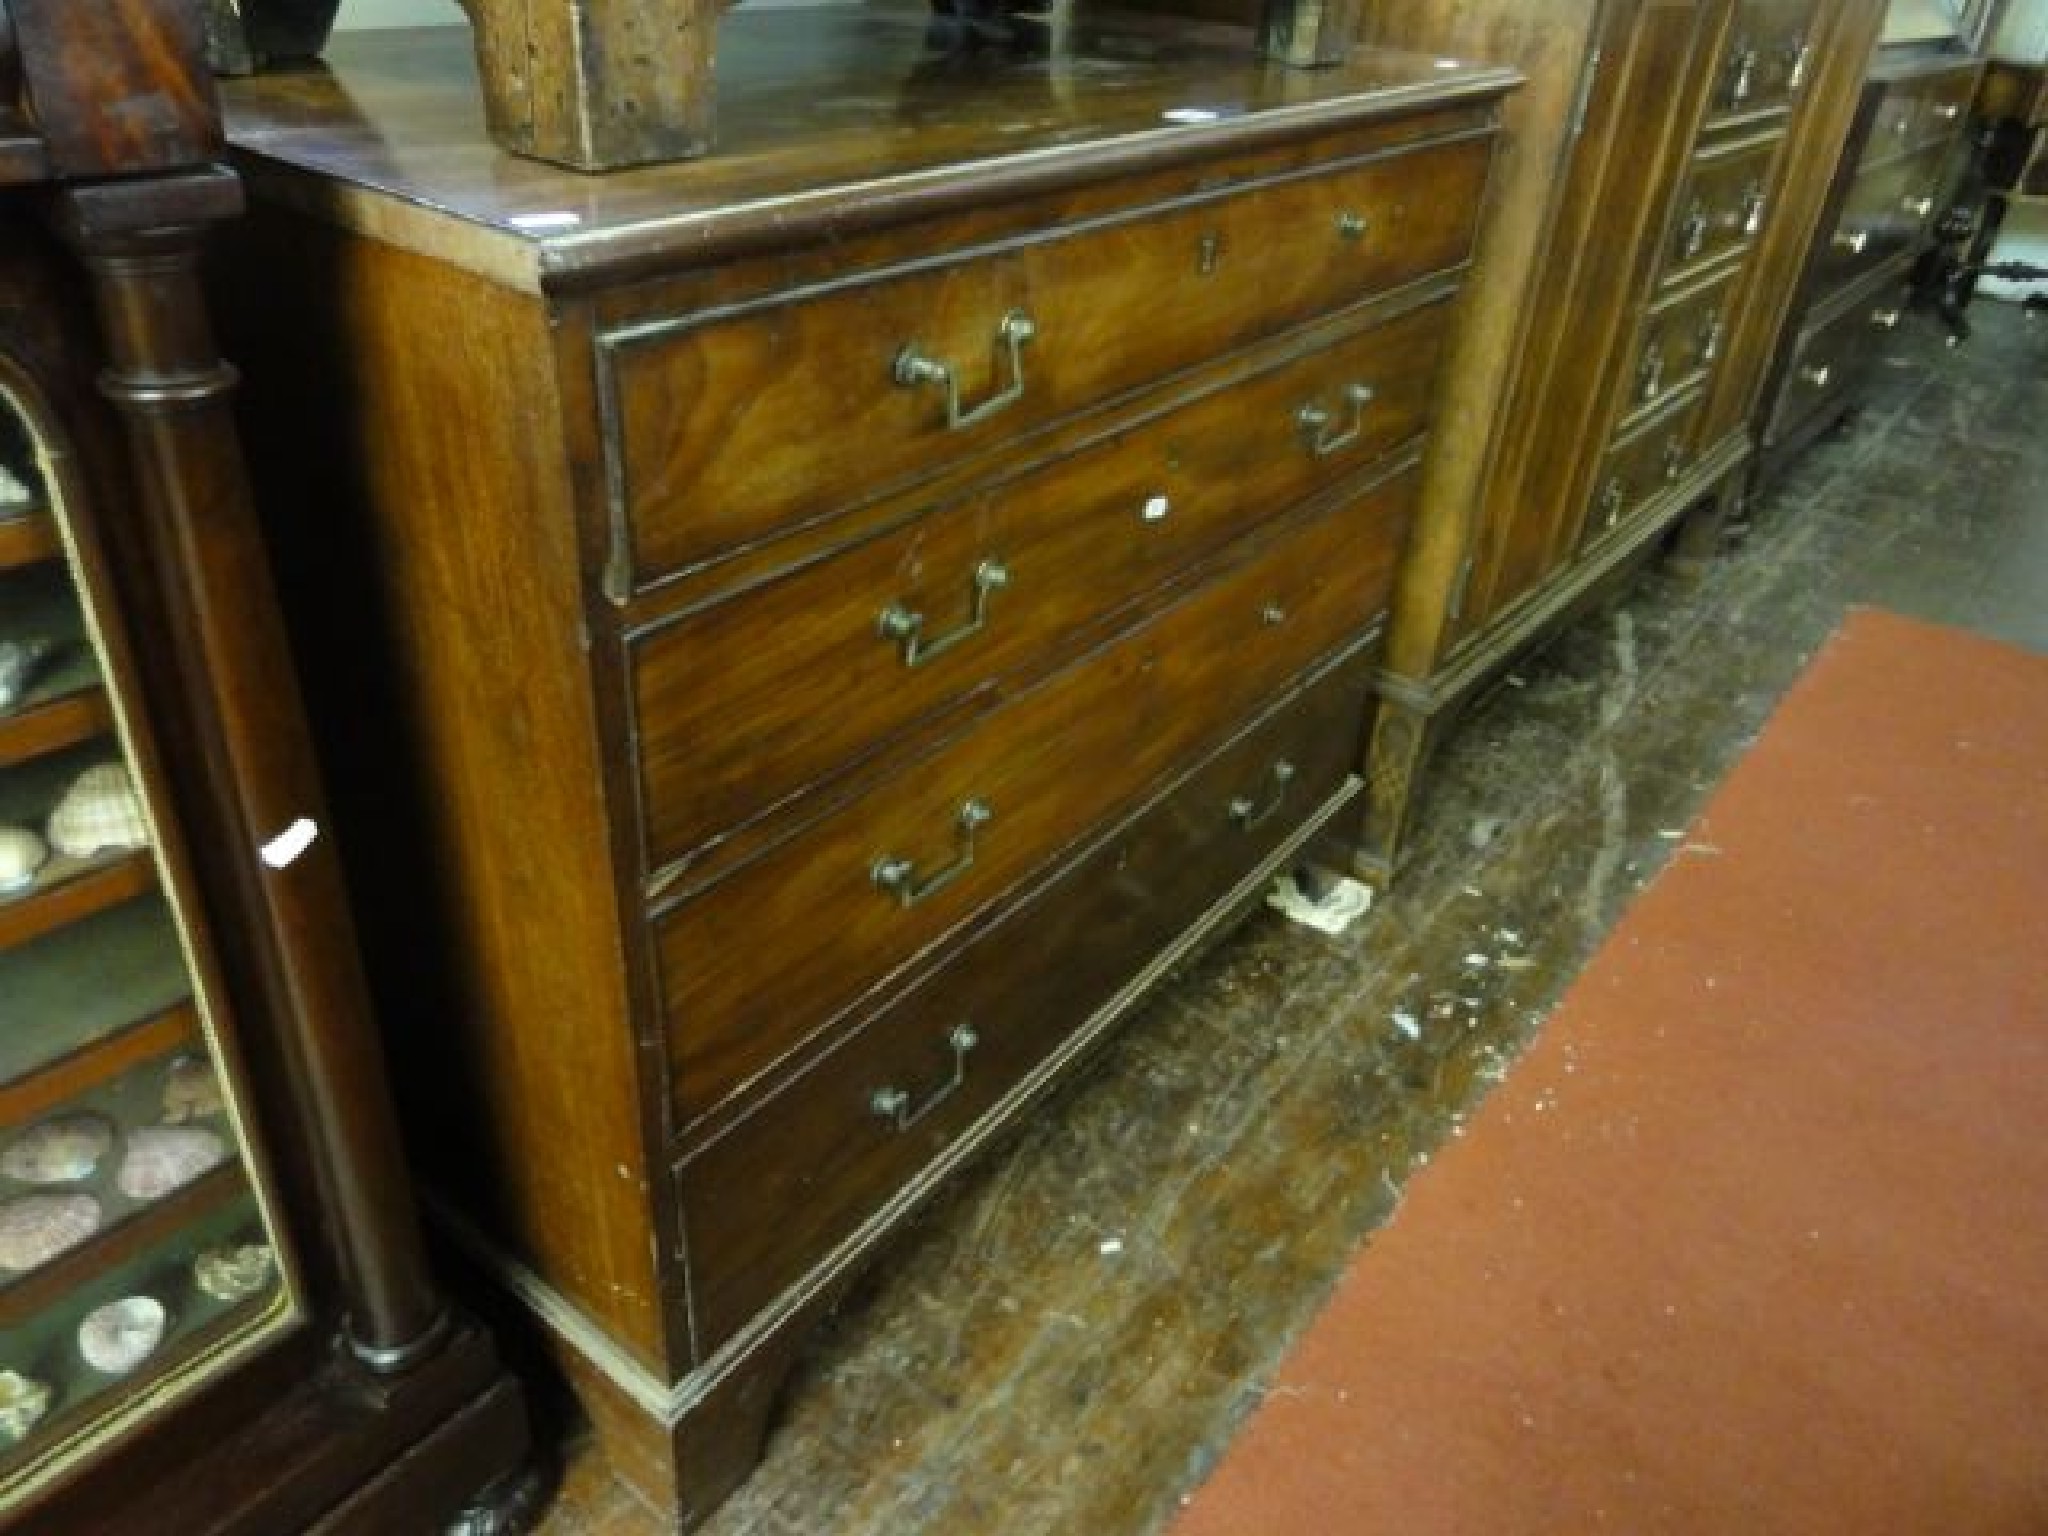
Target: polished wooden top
x,y
830,119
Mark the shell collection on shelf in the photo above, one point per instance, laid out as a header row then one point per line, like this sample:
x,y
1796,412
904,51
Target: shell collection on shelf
x,y
164,1158
99,813
35,1229
191,1090
116,1338
234,1274
22,853
20,661
61,1150
23,1402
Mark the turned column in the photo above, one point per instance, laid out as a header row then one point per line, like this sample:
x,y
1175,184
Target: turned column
x,y
259,795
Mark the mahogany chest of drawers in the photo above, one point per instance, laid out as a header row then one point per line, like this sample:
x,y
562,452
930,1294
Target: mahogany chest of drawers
x,y
806,636
1889,187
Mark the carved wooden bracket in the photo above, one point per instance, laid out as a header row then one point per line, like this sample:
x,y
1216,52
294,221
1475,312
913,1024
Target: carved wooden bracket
x,y
598,84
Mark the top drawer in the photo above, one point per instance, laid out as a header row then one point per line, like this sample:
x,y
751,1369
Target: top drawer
x,y
728,427
1767,57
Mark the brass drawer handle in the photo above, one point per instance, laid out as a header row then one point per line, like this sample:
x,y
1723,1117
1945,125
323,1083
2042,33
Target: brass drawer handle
x,y
1919,207
1314,422
1817,377
1612,498
1248,811
905,626
894,1104
1886,319
1674,460
1800,54
1711,335
912,368
1692,234
899,876
1742,72
1650,372
1753,204
1948,111
1352,226
1852,241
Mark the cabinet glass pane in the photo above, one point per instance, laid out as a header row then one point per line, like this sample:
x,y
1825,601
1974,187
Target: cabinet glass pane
x,y
137,1258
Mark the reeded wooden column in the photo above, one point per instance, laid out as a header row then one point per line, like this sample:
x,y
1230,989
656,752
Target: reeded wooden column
x,y
598,84
141,241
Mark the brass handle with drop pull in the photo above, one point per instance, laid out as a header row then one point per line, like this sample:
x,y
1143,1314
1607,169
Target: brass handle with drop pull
x,y
1754,201
1800,53
913,369
899,877
1692,233
1612,497
1314,422
1919,207
894,1104
1948,111
905,625
1352,226
1650,372
1886,319
1711,336
1674,460
1817,377
1742,71
1248,811
1852,241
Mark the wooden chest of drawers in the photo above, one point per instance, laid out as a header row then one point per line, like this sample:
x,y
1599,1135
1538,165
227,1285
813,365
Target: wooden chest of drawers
x,y
1896,170
810,634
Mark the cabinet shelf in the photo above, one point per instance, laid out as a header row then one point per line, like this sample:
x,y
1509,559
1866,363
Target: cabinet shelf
x,y
23,1297
69,890
28,537
65,702
76,990
66,890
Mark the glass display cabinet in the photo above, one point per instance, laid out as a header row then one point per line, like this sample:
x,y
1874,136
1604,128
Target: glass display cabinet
x,y
138,1252
216,1310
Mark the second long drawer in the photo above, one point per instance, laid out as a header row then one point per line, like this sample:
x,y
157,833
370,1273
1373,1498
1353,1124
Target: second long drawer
x,y
858,1124
761,962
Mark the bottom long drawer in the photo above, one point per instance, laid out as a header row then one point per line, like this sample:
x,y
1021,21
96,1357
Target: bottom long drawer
x,y
778,1193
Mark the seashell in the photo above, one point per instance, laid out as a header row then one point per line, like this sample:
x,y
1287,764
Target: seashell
x,y
121,1335
34,1229
234,1274
161,1158
191,1090
20,661
13,491
23,1402
22,853
99,811
60,1150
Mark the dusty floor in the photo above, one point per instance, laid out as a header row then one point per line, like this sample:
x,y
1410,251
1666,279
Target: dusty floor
x,y
1067,1342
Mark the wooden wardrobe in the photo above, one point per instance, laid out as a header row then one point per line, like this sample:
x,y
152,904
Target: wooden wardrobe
x,y
1661,175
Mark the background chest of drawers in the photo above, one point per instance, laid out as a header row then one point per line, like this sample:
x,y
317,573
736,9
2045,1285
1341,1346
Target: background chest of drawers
x,y
1661,175
811,633
1896,170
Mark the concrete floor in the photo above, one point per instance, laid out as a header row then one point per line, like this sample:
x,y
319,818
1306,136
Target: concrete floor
x,y
1066,1344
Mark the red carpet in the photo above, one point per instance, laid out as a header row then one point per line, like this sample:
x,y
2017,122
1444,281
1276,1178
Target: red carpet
x,y
1755,1239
